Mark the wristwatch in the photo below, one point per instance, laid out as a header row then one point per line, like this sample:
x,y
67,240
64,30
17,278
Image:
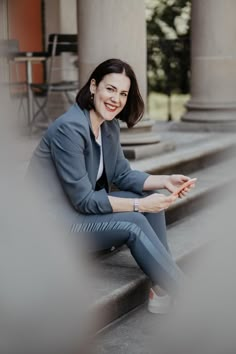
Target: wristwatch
x,y
136,205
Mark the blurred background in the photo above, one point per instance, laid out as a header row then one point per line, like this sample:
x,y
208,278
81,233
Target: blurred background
x,y
30,22
168,57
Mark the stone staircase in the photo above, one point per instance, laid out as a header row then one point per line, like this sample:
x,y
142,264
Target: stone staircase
x,y
120,285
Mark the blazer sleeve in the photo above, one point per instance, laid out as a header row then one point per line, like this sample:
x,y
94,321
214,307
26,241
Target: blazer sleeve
x,y
124,177
67,151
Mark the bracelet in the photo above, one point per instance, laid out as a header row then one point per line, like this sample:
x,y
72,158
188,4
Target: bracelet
x,y
136,205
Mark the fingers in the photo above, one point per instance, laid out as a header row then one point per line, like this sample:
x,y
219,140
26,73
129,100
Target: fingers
x,y
166,206
169,201
157,202
186,190
172,198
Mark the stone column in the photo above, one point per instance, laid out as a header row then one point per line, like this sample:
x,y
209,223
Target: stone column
x,y
116,29
112,29
213,62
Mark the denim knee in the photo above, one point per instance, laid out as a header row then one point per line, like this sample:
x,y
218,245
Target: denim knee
x,y
139,219
137,226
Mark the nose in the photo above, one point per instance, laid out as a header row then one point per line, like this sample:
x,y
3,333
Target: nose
x,y
115,97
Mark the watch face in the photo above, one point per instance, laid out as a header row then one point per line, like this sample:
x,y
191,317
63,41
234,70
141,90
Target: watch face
x,y
136,205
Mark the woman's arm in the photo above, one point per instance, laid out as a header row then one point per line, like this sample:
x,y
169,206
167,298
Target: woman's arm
x,y
171,182
67,151
155,182
155,202
136,181
151,204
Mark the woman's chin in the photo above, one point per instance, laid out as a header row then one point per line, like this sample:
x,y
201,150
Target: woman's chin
x,y
109,117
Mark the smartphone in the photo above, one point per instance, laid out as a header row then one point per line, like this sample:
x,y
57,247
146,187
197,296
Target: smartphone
x,y
184,185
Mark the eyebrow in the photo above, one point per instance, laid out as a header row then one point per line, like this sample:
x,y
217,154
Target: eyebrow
x,y
116,88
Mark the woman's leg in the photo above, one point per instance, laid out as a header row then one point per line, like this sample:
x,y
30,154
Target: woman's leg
x,y
158,223
156,220
132,228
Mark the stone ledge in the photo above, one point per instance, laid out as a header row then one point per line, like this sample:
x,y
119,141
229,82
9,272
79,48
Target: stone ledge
x,y
139,138
190,158
191,126
142,125
137,152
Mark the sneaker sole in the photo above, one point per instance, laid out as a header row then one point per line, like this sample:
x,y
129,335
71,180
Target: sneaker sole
x,y
160,309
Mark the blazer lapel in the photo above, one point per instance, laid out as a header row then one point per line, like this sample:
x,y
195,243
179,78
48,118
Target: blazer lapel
x,y
108,152
96,153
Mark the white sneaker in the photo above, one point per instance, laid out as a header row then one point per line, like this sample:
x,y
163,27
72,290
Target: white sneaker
x,y
158,304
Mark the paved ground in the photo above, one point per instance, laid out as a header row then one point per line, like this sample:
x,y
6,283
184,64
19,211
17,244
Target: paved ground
x,y
134,333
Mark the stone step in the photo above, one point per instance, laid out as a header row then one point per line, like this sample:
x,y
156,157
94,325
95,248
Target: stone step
x,y
209,186
193,152
136,331
120,285
138,152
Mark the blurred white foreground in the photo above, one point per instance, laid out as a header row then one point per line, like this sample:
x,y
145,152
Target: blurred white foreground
x,y
44,276
204,322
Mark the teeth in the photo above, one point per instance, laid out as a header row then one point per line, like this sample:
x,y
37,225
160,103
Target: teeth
x,y
110,107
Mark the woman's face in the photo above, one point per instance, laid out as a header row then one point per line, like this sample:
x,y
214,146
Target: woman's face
x,y
110,96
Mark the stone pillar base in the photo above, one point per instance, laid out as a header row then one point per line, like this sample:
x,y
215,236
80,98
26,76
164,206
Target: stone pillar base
x,y
202,126
142,142
140,134
137,152
203,112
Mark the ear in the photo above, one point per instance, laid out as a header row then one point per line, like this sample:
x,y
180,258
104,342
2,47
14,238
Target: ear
x,y
93,86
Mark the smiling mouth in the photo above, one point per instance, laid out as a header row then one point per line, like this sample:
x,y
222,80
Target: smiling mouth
x,y
110,107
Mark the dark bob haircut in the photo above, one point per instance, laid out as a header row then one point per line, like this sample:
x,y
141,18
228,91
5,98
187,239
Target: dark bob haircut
x,y
134,108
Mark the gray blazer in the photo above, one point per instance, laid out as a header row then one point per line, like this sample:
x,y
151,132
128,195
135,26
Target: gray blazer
x,y
65,164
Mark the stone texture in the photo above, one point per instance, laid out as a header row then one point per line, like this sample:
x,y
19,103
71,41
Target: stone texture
x,y
101,36
213,62
137,152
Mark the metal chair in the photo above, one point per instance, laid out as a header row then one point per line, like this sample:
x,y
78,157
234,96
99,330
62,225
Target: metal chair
x,y
57,44
10,75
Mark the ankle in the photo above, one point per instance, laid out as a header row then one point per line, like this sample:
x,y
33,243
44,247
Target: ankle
x,y
159,291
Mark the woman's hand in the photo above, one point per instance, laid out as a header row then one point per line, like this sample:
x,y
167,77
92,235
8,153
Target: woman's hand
x,y
156,202
173,182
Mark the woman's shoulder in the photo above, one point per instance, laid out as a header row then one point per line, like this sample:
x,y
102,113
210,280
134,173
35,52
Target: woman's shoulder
x,y
75,115
75,119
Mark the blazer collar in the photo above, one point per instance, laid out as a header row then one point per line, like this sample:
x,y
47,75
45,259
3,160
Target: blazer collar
x,y
107,148
104,126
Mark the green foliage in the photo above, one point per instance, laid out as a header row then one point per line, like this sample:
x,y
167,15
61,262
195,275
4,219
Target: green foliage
x,y
168,46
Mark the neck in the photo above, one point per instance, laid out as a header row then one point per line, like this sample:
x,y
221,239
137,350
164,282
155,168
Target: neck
x,y
96,122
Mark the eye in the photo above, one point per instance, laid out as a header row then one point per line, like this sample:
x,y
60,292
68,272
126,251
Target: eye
x,y
124,94
110,89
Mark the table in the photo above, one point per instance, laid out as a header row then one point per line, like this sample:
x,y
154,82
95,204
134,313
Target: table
x,y
29,58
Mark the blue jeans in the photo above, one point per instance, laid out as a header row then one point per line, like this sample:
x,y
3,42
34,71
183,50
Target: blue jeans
x,y
143,233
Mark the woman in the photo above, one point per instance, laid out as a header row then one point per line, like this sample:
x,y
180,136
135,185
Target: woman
x,y
78,159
